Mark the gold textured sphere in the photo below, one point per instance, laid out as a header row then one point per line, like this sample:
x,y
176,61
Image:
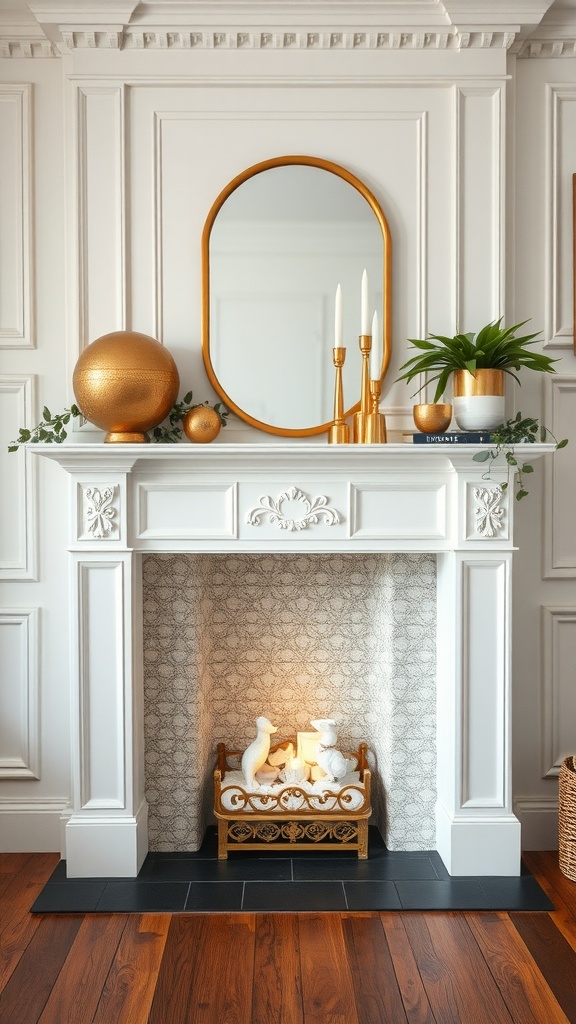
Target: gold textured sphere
x,y
201,424
125,383
432,417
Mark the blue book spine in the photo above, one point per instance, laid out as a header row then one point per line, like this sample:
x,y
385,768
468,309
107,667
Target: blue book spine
x,y
454,437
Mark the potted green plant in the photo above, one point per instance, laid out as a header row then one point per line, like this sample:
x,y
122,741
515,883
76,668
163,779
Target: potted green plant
x,y
477,365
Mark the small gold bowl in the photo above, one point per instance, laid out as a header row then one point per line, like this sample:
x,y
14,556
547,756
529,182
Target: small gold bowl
x,y
432,417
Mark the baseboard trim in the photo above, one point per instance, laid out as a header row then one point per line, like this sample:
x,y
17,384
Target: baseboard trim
x,y
32,826
538,817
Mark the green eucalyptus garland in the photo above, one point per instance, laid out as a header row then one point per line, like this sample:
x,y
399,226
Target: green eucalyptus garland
x,y
52,428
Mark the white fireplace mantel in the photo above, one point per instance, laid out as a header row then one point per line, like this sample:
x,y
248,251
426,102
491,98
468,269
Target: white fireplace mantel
x,y
130,499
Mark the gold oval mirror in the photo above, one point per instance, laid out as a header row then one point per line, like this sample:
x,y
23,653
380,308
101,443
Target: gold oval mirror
x,y
277,242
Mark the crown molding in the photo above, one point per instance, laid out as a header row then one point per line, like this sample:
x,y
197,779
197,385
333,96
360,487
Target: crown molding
x,y
526,27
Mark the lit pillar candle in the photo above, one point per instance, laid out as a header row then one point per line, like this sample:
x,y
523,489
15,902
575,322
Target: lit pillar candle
x,y
376,352
338,329
364,314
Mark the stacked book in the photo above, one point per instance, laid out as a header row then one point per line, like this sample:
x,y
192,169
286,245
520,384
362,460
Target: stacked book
x,y
452,437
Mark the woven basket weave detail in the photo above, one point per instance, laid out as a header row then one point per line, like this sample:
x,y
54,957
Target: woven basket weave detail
x,y
567,818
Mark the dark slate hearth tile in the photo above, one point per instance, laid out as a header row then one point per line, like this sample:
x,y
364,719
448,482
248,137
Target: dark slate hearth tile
x,y
258,869
143,897
293,896
450,894
439,865
215,896
373,894
382,867
523,893
81,897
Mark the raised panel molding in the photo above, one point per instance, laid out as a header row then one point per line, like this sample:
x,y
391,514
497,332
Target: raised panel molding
x,y
16,314
559,537
479,220
19,694
101,623
561,150
18,475
557,688
485,670
101,211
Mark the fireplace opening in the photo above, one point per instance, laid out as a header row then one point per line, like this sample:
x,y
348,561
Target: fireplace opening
x,y
293,637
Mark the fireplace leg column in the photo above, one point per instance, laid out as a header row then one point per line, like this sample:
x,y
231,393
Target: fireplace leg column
x,y
476,831
107,831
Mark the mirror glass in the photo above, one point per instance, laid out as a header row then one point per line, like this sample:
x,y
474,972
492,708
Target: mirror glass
x,y
278,241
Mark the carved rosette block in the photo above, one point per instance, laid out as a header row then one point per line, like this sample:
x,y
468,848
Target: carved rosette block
x,y
488,511
311,511
100,512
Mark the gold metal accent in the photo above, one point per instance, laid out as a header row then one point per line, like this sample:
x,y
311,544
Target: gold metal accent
x,y
125,383
359,420
339,432
337,828
483,382
375,421
201,424
265,165
432,417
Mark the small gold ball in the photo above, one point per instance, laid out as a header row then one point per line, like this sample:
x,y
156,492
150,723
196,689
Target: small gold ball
x,y
201,424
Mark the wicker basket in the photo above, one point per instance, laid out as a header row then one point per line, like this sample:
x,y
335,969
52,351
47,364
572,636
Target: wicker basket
x,y
567,819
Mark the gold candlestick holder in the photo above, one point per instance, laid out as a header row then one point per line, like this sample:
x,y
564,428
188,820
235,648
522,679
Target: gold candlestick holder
x,y
360,418
339,432
375,421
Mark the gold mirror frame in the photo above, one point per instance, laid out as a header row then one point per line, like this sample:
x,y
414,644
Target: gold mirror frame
x,y
341,172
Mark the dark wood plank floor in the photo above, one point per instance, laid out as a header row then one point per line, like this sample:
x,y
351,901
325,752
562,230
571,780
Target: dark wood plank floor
x,y
307,968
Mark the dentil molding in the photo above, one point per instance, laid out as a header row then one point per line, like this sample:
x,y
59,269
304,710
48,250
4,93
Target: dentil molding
x,y
61,28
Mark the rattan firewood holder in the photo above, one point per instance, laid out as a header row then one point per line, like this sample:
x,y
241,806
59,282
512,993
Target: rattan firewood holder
x,y
567,818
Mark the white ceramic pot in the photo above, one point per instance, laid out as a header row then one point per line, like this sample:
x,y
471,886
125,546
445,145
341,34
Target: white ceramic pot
x,y
478,400
479,412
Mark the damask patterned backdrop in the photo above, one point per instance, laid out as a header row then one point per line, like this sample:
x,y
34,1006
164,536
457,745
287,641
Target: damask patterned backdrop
x,y
293,637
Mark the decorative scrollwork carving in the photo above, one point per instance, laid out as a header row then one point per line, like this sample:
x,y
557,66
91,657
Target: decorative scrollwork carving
x,y
100,511
312,509
293,831
488,511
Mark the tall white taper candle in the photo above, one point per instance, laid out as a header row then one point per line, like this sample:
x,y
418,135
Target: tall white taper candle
x,y
338,328
376,352
364,313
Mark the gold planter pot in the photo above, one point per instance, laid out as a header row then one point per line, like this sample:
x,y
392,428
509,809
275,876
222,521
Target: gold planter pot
x,y
432,417
478,399
483,382
125,383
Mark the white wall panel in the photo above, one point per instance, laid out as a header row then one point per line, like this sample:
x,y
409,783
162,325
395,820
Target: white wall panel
x,y
18,473
101,204
479,225
561,154
558,689
15,216
560,493
19,694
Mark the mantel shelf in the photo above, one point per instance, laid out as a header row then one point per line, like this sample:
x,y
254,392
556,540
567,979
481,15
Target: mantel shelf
x,y
280,457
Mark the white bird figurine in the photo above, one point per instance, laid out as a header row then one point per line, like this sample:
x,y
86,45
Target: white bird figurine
x,y
331,761
255,755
